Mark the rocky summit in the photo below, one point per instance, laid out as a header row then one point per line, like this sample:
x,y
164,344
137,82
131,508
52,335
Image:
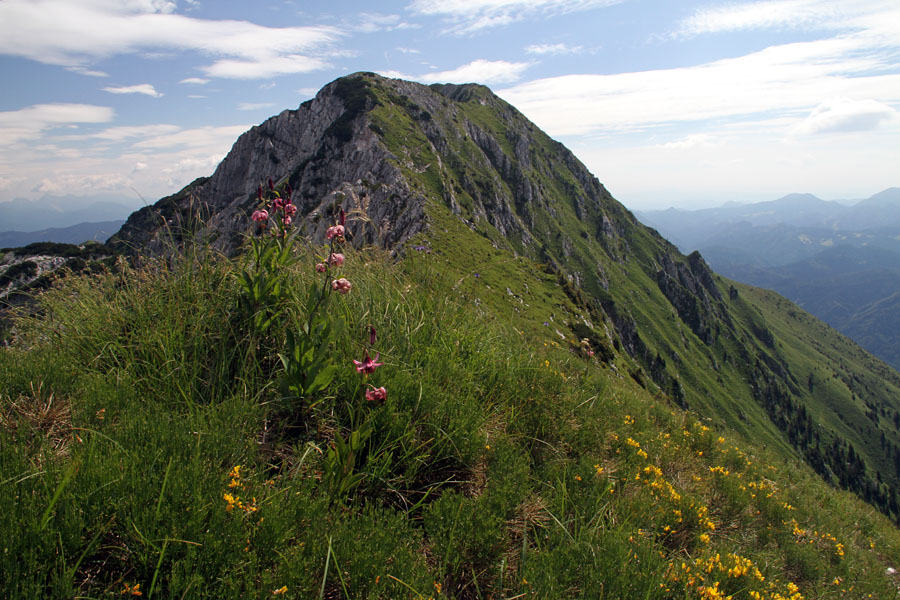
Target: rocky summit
x,y
457,170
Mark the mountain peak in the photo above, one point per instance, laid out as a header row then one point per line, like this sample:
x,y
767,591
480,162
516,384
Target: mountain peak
x,y
398,145
805,200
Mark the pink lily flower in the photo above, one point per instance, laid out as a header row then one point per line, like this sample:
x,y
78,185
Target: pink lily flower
x,y
337,259
335,231
368,365
260,215
376,394
321,268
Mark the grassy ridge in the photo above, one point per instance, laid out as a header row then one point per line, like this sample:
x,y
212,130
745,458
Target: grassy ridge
x,y
503,197
146,448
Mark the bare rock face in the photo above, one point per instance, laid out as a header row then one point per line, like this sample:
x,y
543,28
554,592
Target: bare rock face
x,y
324,149
365,144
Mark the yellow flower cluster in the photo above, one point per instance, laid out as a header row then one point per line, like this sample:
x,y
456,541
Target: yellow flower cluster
x,y
232,501
132,590
820,539
712,592
555,372
680,523
717,576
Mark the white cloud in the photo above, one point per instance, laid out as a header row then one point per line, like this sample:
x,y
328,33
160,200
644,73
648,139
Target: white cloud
x,y
68,33
88,72
842,115
254,105
541,49
375,22
781,80
264,67
393,74
88,183
29,123
694,140
765,14
153,159
872,15
217,138
142,88
195,80
469,16
479,71
124,133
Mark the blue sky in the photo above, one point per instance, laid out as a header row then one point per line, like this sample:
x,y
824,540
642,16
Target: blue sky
x,y
668,103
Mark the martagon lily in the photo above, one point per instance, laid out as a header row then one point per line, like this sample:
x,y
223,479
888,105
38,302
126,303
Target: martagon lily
x,y
368,365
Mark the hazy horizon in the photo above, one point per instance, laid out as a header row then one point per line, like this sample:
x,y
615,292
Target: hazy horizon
x,y
687,104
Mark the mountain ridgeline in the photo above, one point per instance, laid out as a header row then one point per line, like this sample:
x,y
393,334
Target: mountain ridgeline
x,y
540,241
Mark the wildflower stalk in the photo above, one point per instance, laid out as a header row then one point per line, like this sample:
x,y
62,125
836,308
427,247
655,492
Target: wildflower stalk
x,y
309,366
323,294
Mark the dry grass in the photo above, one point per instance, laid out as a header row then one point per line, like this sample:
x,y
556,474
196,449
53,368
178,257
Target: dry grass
x,y
40,420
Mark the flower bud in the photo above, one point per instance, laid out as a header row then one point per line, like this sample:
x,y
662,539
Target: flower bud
x,y
341,285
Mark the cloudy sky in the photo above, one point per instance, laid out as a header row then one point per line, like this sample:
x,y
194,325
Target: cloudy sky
x,y
688,103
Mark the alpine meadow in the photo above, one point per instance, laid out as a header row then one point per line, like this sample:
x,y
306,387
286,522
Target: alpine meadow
x,y
402,344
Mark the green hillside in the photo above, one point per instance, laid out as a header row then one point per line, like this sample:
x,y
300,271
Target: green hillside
x,y
147,448
567,406
696,337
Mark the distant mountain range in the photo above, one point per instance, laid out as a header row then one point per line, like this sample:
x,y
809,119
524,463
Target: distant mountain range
x,y
841,263
74,234
62,211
